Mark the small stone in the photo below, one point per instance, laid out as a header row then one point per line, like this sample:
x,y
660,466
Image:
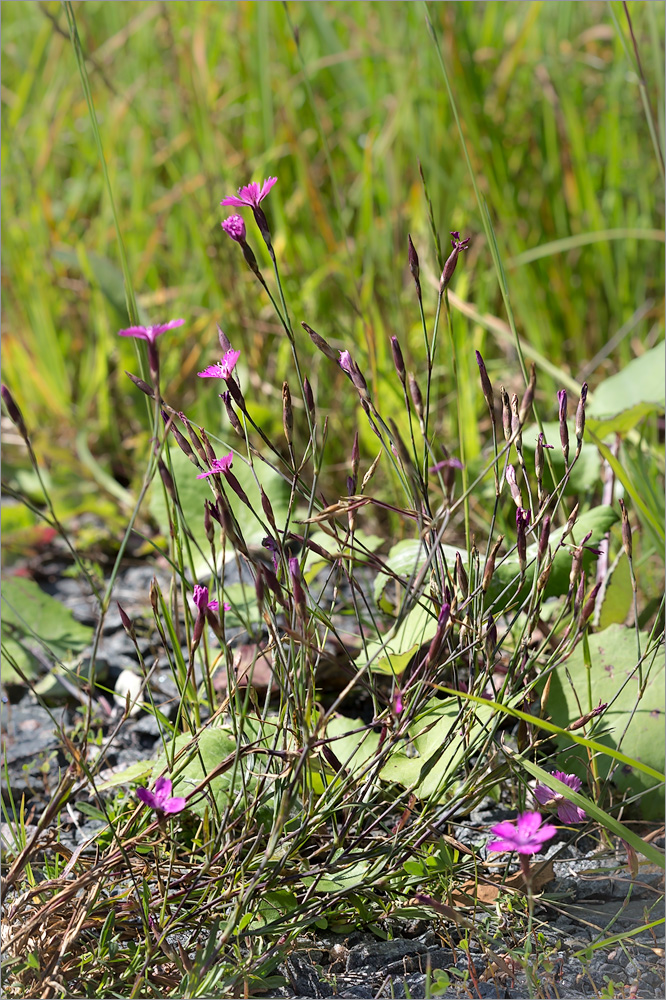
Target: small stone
x,y
129,685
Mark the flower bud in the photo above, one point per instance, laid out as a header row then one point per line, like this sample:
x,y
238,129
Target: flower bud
x,y
580,417
208,523
398,359
231,413
584,719
461,577
522,522
167,479
140,384
309,398
208,448
267,509
225,343
516,432
588,607
486,386
564,430
438,638
571,520
128,624
543,539
259,588
319,342
194,438
296,585
417,398
450,265
413,258
182,442
490,637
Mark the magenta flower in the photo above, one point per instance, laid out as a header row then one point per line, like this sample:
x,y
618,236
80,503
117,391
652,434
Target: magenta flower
x,y
235,227
526,835
200,598
219,465
398,704
250,195
160,800
446,463
345,361
567,812
224,368
150,333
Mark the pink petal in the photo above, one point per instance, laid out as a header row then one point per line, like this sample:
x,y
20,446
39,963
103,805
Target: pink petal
x,y
504,829
213,605
163,327
267,185
202,475
136,331
162,788
175,805
543,794
528,823
502,845
227,607
236,202
213,371
146,797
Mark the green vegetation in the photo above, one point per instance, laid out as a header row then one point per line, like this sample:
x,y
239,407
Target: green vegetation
x,y
477,550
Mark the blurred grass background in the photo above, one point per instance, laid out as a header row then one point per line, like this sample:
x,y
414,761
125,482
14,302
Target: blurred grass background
x,y
341,101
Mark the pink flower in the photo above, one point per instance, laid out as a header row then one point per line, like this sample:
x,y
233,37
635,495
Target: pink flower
x,y
160,800
567,812
345,361
150,333
235,227
219,465
397,704
250,195
200,598
224,368
526,835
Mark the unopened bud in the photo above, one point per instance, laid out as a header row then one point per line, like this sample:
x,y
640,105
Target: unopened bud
x,y
153,594
580,416
182,442
296,585
231,414
522,522
225,343
543,539
259,588
128,624
319,342
140,384
287,414
588,607
584,719
564,430
516,432
571,520
14,412
417,398
398,359
486,385
543,576
208,448
450,265
438,638
490,637
309,398
461,577
167,479
267,509
413,258
208,523
194,438
233,483
626,531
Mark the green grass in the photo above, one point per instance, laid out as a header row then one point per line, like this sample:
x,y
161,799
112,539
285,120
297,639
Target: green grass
x,y
194,100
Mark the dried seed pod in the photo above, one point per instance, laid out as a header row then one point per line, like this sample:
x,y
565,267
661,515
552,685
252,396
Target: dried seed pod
x,y
194,438
588,607
626,531
571,520
452,260
267,509
489,568
528,398
296,585
208,448
516,432
287,414
522,522
513,486
461,577
545,573
506,413
128,624
438,638
167,479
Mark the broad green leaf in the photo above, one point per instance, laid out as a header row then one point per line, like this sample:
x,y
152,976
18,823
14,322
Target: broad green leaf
x,y
439,747
346,877
353,750
392,652
13,652
134,772
76,672
618,595
613,662
30,614
624,399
